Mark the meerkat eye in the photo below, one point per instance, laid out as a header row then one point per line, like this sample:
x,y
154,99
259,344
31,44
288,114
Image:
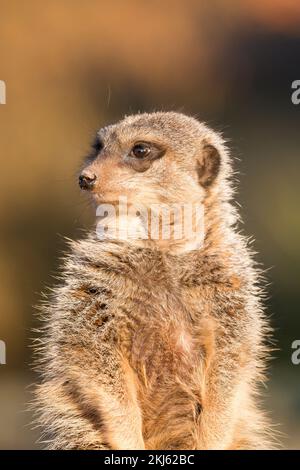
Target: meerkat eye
x,y
140,150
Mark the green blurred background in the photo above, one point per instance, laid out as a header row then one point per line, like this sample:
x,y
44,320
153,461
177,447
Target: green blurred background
x,y
72,66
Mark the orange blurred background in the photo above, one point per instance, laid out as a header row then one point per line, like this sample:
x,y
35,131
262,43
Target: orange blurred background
x,y
71,67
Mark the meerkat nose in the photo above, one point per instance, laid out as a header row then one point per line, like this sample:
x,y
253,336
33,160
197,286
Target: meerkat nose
x,y
87,180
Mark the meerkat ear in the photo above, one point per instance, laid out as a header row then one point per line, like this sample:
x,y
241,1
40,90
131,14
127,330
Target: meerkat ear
x,y
208,165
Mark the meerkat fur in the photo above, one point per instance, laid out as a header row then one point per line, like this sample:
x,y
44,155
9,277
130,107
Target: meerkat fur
x,y
156,344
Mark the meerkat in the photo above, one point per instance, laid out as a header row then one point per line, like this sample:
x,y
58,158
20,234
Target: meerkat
x,y
156,344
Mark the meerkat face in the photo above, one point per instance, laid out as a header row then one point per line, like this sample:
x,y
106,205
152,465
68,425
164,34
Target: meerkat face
x,y
154,161
152,158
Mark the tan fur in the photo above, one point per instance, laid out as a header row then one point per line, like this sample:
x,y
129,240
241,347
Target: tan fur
x,y
148,346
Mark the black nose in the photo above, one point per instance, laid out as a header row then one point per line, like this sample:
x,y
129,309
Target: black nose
x,y
87,181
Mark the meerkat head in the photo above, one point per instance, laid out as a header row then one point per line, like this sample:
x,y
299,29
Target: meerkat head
x,y
154,159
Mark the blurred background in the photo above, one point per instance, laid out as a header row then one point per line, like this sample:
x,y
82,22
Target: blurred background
x,y
72,66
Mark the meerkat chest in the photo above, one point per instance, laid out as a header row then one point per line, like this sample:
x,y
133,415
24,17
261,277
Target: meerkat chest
x,y
161,342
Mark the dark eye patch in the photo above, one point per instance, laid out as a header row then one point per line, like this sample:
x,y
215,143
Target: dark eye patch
x,y
142,154
97,144
96,147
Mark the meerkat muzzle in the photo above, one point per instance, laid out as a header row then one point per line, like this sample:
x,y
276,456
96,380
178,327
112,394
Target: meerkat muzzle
x,y
87,181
